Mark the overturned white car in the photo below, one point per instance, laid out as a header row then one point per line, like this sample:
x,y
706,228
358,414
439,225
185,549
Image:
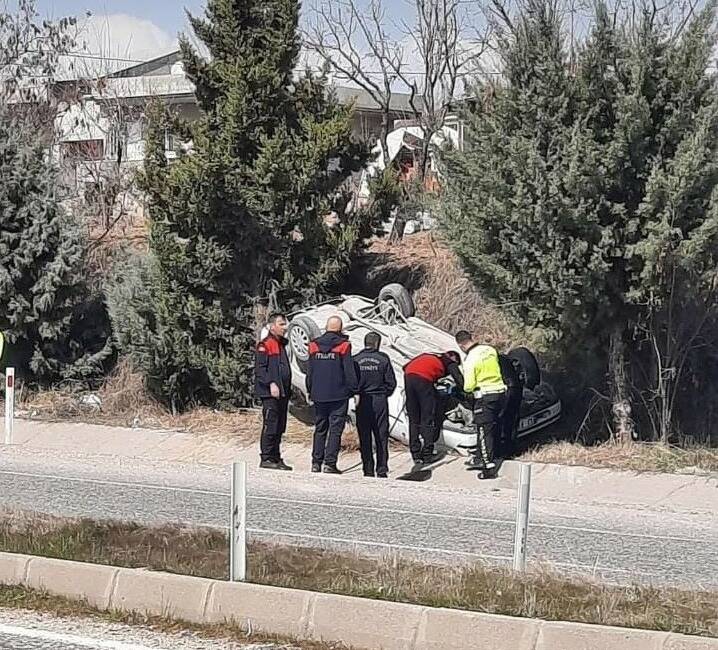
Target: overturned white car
x,y
404,337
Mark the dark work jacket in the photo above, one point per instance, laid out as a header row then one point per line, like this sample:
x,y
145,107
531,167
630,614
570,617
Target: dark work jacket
x,y
433,367
331,376
376,375
509,372
271,365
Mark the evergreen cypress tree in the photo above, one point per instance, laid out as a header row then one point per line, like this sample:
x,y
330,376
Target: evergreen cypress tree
x,y
54,328
586,197
241,218
505,211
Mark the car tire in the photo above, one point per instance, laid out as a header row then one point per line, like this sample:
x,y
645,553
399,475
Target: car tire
x,y
531,371
398,295
302,331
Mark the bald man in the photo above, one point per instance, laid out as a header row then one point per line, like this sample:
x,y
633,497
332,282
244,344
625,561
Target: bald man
x,y
331,381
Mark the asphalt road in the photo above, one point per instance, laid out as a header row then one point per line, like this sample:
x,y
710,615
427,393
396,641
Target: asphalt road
x,y
622,544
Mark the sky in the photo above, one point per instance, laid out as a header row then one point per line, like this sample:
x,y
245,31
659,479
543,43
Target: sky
x,y
125,31
165,14
135,29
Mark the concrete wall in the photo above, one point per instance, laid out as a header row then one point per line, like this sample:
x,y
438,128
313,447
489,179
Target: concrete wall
x,y
362,623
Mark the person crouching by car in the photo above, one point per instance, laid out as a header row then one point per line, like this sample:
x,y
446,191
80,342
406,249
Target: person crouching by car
x,y
273,381
483,380
331,381
423,400
377,383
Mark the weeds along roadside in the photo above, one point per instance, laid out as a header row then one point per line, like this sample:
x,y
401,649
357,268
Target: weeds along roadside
x,y
203,552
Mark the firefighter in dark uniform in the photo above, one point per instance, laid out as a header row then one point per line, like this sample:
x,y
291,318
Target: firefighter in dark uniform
x,y
377,383
273,382
483,380
423,400
513,378
331,381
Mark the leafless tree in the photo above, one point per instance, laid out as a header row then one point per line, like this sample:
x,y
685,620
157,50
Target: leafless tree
x,y
425,56
355,42
447,42
93,150
31,51
439,34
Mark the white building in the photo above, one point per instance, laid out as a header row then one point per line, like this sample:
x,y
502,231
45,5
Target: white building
x,y
102,133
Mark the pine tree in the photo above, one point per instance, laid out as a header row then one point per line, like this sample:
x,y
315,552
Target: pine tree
x,y
504,210
241,219
586,196
55,329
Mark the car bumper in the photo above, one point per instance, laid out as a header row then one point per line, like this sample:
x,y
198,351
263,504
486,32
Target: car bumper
x,y
456,437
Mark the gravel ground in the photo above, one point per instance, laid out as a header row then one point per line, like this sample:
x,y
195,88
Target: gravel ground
x,y
619,543
23,630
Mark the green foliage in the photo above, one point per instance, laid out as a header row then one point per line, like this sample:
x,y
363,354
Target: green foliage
x,y
55,329
241,218
586,195
386,194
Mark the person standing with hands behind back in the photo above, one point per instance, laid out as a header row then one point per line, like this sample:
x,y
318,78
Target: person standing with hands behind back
x,y
331,381
273,384
377,383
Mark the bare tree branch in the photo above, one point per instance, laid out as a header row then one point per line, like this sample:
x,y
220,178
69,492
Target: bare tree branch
x,y
355,43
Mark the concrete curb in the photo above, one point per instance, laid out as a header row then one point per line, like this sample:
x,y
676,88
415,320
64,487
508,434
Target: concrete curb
x,y
357,622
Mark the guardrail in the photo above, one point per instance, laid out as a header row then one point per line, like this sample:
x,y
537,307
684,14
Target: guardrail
x,y
238,522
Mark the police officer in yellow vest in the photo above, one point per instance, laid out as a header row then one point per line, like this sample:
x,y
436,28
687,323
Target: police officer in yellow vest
x,y
483,380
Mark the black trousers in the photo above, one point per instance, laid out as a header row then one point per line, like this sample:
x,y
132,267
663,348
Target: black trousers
x,y
274,424
330,418
373,426
422,405
510,420
487,417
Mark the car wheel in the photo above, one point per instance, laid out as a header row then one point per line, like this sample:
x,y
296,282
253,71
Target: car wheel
x,y
302,331
397,295
529,365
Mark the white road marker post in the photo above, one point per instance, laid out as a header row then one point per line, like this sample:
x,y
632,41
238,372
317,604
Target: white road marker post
x,y
9,403
522,517
238,528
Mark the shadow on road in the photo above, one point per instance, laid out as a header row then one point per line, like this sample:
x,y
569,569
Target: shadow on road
x,y
425,473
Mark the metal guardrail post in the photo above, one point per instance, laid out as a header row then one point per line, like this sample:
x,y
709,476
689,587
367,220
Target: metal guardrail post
x,y
238,524
9,403
522,517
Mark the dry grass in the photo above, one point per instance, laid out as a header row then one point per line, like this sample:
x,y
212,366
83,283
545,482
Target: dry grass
x,y
446,297
540,594
640,457
126,402
21,598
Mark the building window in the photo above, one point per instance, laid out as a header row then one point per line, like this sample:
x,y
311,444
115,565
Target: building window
x,y
83,150
116,144
171,141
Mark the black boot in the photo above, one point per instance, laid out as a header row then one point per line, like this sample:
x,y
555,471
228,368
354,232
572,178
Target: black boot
x,y
270,464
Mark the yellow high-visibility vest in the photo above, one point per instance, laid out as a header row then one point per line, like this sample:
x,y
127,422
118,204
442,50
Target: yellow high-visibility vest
x,y
482,371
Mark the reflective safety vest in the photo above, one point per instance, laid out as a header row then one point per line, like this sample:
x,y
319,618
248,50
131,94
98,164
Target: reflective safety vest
x,y
482,370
